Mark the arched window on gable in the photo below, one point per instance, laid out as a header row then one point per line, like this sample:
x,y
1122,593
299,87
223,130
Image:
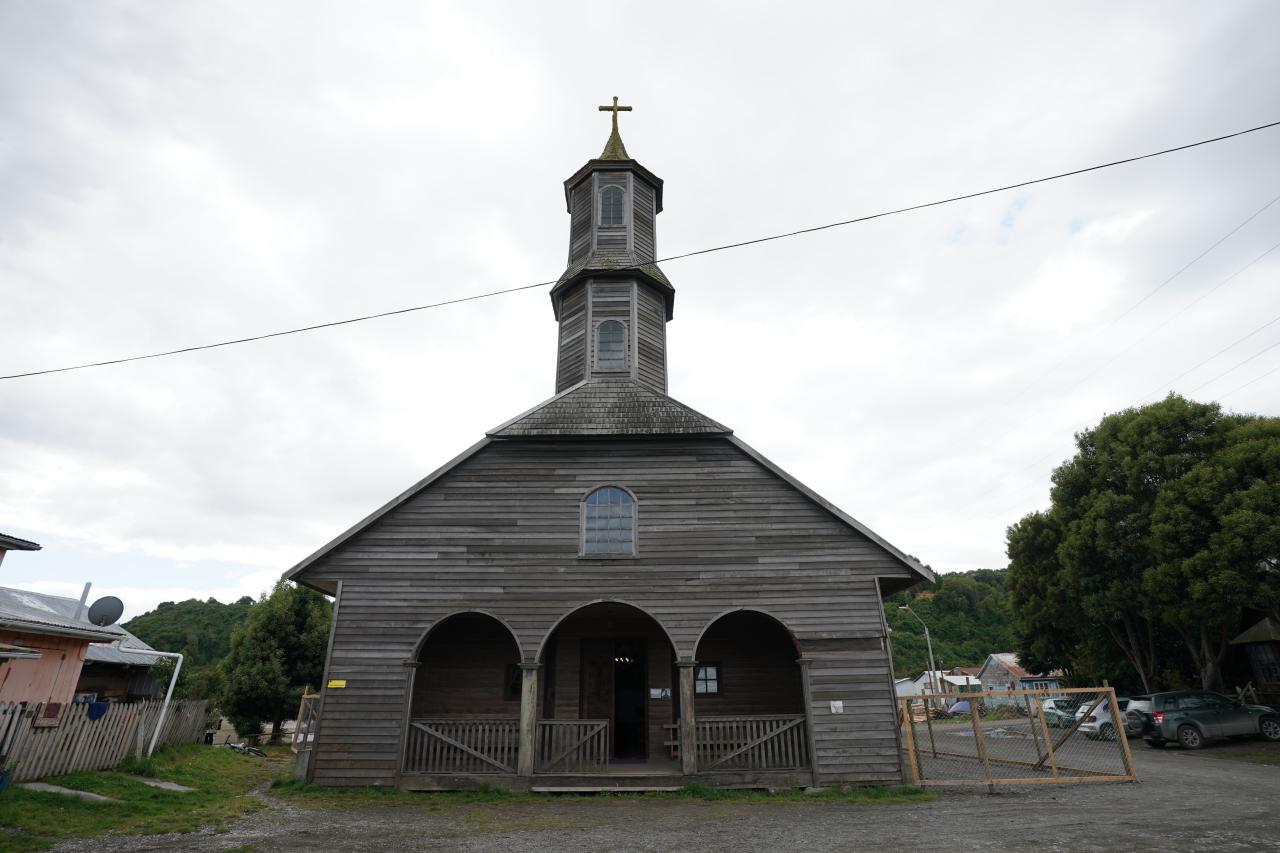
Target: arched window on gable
x,y
609,522
611,346
611,207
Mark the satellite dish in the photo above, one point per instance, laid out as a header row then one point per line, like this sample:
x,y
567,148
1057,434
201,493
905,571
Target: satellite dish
x,y
106,610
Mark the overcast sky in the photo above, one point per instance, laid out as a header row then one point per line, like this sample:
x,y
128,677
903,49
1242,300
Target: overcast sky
x,y
181,173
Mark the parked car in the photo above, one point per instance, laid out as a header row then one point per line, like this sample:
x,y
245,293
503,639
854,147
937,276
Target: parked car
x,y
1192,717
1059,713
1099,725
1139,707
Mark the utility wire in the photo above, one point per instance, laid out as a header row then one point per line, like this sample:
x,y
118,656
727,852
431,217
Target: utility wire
x,y
782,236
1237,367
1159,287
1250,382
1201,364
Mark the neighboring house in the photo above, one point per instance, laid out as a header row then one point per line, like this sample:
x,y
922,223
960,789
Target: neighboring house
x,y
1001,671
53,648
906,687
49,651
611,589
966,670
942,681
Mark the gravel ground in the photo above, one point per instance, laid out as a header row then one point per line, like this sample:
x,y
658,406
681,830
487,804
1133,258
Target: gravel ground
x,y
1185,801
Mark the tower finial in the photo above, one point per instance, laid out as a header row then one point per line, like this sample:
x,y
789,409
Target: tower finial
x,y
614,149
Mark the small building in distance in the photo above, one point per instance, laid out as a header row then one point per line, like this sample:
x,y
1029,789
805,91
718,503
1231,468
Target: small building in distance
x,y
1002,671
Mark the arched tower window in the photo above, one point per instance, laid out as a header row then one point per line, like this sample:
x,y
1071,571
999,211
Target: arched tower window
x,y
611,346
611,207
609,522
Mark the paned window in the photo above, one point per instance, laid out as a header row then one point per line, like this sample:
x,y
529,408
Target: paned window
x,y
609,522
611,211
707,678
611,346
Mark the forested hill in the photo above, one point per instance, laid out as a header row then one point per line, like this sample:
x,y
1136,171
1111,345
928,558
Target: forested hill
x,y
968,618
202,629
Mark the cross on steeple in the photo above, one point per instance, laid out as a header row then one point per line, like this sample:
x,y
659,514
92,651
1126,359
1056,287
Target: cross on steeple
x,y
614,149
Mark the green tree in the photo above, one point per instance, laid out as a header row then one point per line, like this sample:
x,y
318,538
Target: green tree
x,y
1216,539
201,630
1104,499
276,653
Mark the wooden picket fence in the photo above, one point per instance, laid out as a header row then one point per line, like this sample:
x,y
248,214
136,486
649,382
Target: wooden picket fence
x,y
78,743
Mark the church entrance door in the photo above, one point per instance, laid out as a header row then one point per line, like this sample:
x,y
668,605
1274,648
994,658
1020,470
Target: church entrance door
x,y
615,688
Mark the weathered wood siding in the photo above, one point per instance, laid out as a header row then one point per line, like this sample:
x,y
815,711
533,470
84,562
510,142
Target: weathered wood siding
x,y
643,215
716,531
758,669
571,361
462,670
580,222
860,744
651,338
613,238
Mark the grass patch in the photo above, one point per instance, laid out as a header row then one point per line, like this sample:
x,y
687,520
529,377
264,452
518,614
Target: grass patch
x,y
1260,756
35,820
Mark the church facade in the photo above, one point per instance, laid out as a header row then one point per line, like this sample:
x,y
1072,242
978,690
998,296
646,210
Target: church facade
x,y
610,590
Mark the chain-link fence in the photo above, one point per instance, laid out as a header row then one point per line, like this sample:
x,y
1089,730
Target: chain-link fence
x,y
1015,737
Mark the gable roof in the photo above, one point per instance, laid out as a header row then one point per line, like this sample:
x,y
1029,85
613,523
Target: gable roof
x,y
1263,631
39,613
608,407
601,408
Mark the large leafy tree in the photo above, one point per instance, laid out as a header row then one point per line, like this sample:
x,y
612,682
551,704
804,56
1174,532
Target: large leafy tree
x,y
277,653
1104,499
1216,541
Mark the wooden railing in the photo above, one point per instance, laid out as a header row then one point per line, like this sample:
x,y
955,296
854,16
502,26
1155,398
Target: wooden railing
x,y
771,742
572,746
462,746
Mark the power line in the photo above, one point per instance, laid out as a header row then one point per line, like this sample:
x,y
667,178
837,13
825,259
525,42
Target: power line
x,y
1250,382
1159,287
1201,364
726,246
1237,367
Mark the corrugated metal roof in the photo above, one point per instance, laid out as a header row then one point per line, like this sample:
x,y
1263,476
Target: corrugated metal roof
x,y
609,407
54,614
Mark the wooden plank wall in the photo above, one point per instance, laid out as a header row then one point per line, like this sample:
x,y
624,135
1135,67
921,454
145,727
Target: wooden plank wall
x,y
643,217
651,327
759,673
463,670
571,359
580,221
716,531
859,744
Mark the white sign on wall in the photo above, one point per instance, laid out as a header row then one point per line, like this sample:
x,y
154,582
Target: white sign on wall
x,y
837,706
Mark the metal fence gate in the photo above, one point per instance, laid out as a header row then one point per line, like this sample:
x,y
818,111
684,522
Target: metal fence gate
x,y
1015,737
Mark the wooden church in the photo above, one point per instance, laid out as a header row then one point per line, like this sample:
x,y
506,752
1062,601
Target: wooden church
x,y
610,590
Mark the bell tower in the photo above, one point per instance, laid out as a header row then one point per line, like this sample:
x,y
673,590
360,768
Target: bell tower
x,y
613,302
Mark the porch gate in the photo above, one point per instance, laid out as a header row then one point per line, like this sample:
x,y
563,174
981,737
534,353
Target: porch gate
x,y
572,746
759,742
462,746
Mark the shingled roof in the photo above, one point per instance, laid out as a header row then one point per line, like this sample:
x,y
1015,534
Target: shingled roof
x,y
609,407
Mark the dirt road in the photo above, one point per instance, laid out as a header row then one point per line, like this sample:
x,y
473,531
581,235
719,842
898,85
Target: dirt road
x,y
1186,801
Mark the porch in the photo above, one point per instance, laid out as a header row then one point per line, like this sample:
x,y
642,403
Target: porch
x,y
602,708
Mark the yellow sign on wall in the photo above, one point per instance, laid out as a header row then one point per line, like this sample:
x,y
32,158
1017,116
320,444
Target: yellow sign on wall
x,y
335,683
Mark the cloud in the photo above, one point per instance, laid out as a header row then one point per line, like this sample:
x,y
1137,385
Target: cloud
x,y
186,174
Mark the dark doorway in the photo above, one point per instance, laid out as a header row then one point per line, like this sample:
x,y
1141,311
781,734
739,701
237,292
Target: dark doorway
x,y
615,688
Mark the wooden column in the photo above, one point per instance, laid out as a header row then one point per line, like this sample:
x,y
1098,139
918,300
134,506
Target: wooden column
x,y
807,687
528,717
688,725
